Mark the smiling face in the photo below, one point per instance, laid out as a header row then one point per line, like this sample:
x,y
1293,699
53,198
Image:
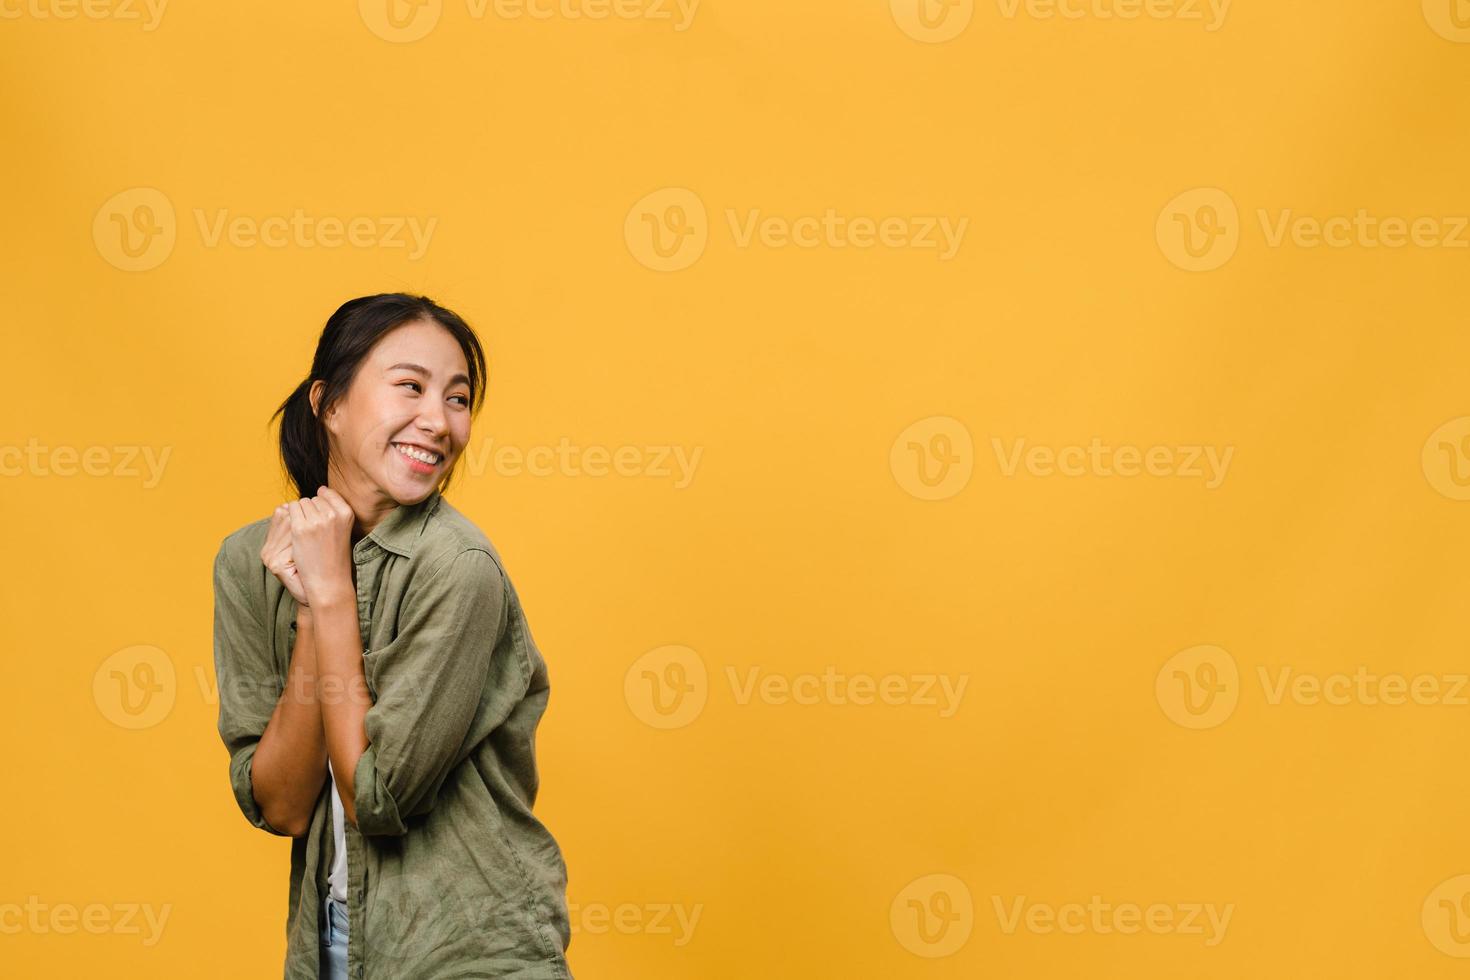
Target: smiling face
x,y
404,421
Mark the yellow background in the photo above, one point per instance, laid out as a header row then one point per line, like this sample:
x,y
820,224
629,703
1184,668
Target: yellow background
x,y
827,838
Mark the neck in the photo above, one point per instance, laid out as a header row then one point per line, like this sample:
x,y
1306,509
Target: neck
x,y
369,507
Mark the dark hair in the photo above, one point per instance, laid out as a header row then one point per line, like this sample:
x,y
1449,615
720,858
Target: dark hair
x,y
349,334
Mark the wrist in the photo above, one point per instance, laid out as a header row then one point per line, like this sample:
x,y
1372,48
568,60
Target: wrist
x,y
331,603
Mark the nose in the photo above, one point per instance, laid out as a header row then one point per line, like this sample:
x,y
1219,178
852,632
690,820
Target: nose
x,y
433,422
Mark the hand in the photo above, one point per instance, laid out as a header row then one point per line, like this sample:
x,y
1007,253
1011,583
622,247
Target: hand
x,y
275,554
321,545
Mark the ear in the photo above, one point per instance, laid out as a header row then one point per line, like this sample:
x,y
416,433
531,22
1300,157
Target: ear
x,y
315,395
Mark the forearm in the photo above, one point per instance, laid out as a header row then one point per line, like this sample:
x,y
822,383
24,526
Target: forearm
x,y
291,760
343,695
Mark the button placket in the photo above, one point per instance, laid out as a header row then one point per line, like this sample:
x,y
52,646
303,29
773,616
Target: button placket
x,y
356,890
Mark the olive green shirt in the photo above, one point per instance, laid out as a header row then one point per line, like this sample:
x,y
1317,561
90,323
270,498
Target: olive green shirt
x,y
449,873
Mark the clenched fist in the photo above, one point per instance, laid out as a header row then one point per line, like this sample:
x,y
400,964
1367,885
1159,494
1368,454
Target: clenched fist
x,y
321,546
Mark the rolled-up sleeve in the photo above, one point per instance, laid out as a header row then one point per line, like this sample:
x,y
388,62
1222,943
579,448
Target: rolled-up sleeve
x,y
427,685
244,672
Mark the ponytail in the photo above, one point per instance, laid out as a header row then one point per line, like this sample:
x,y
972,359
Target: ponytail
x,y
303,441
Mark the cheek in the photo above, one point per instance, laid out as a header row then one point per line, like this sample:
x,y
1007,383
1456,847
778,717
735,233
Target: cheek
x,y
368,441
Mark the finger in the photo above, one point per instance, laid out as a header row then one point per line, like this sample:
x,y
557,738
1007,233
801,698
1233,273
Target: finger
x,y
311,510
335,501
273,551
278,531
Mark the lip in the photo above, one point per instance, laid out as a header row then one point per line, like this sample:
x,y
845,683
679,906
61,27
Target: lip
x,y
418,466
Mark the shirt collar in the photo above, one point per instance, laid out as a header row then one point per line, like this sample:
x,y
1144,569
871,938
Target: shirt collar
x,y
400,528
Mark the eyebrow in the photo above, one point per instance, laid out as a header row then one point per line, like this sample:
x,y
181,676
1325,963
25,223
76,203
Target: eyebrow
x,y
457,379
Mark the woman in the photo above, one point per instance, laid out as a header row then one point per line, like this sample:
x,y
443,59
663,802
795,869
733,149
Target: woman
x,y
379,686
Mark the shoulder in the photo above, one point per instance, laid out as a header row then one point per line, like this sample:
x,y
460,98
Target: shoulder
x,y
448,533
241,547
451,538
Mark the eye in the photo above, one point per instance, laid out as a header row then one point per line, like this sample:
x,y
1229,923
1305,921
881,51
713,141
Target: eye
x,y
416,386
462,399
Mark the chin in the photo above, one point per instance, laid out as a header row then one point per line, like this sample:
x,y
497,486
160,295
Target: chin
x,y
407,497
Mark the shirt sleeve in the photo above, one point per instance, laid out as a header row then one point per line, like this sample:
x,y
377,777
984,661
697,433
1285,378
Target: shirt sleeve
x,y
427,686
245,673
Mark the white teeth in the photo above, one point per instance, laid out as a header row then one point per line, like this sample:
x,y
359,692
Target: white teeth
x,y
417,454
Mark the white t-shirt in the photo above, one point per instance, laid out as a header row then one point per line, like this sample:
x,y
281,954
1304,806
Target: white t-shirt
x,y
337,877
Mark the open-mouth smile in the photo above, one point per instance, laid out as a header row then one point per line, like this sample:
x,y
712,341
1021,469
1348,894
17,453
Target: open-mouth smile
x,y
419,460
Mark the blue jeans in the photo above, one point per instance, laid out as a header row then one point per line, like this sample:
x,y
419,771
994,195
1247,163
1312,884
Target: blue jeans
x,y
334,939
